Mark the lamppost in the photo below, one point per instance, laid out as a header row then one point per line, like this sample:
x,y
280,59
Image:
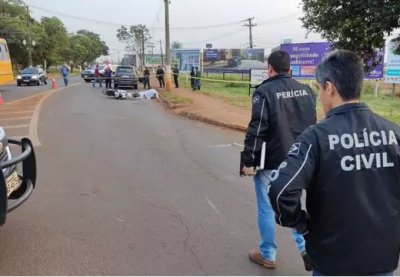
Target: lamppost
x,y
29,47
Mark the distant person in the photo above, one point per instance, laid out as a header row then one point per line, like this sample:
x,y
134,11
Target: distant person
x,y
192,75
175,72
97,77
64,72
197,75
160,76
107,76
146,78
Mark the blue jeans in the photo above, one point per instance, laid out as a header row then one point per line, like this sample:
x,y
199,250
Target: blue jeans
x,y
317,273
65,77
97,80
266,219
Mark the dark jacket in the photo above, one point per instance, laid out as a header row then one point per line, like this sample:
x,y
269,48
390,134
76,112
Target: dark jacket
x,y
175,72
107,72
282,109
160,73
350,166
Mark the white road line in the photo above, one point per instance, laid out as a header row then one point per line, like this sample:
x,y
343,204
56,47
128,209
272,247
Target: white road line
x,y
15,126
212,206
33,125
226,145
17,137
15,118
7,113
220,145
238,144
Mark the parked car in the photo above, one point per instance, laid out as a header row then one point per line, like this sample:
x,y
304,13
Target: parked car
x,y
32,75
17,174
88,73
126,76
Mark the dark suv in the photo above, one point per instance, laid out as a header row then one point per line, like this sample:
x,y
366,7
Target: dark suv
x,y
17,174
32,75
126,76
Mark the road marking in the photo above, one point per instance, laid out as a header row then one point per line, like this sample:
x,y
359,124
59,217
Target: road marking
x,y
15,118
212,206
238,144
7,113
33,125
15,126
17,137
226,145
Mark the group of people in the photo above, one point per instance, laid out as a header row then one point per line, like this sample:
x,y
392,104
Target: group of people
x,y
107,76
348,164
160,74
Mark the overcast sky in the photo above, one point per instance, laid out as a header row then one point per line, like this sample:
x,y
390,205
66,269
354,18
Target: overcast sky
x,y
277,20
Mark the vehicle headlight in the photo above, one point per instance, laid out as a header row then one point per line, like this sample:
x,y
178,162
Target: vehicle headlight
x,y
19,77
34,77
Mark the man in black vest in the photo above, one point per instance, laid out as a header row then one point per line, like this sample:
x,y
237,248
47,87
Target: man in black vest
x,y
349,163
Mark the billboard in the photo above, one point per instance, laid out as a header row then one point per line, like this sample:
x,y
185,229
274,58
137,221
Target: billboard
x,y
304,58
233,60
185,58
392,63
153,60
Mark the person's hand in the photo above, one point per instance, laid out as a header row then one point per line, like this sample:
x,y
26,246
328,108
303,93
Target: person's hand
x,y
248,171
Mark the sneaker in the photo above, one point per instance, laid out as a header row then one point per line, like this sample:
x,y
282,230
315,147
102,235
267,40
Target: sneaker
x,y
307,261
256,258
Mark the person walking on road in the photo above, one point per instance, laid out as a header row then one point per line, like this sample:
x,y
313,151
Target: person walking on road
x,y
349,164
175,72
282,109
107,76
160,76
64,72
146,78
97,77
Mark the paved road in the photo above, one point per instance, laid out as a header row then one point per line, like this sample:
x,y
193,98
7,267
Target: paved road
x,y
126,188
12,92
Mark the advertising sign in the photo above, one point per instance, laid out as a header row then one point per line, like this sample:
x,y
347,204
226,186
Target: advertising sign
x,y
153,60
185,58
392,63
304,58
257,76
233,60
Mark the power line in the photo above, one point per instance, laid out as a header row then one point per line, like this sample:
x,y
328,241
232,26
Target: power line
x,y
113,24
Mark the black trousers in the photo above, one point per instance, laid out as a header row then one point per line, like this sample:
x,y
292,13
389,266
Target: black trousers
x,y
176,81
161,80
108,82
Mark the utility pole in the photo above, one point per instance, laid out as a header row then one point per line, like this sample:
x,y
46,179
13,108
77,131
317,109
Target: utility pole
x,y
29,38
162,58
167,48
152,55
143,54
250,25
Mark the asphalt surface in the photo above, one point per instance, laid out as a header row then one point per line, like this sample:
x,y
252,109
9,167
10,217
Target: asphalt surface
x,y
11,92
125,188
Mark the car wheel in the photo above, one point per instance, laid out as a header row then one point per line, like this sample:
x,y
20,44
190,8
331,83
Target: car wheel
x,y
18,84
135,86
38,83
87,80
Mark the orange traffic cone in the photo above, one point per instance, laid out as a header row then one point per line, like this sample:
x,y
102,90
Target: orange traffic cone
x,y
54,84
1,100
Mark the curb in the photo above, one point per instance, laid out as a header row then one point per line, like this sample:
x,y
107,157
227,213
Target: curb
x,y
198,117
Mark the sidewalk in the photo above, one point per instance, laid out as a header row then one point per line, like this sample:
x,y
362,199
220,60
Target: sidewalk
x,y
206,108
